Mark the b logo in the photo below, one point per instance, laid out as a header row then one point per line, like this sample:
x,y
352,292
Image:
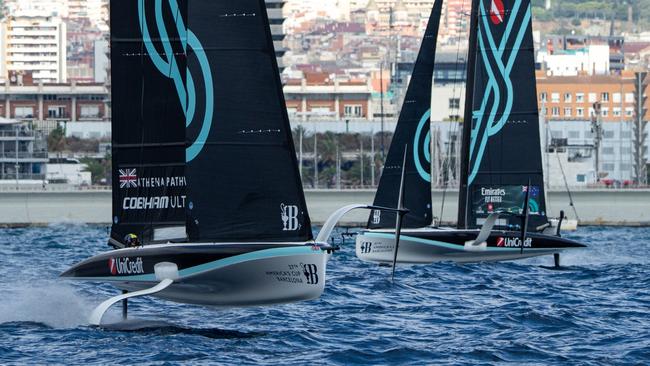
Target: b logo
x,y
365,247
289,215
311,273
376,217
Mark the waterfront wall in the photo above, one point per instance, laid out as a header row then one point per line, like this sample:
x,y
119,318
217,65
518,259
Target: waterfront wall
x,y
594,207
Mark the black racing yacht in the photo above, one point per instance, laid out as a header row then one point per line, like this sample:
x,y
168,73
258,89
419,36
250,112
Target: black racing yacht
x,y
502,209
208,206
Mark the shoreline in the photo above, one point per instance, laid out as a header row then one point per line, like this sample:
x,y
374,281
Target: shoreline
x,y
602,207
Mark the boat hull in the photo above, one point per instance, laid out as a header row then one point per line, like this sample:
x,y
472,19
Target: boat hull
x,y
443,245
224,275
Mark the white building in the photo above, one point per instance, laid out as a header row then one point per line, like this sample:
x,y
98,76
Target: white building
x,y
592,60
68,171
33,43
576,159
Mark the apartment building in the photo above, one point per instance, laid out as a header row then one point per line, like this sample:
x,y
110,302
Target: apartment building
x,y
23,153
275,9
62,102
36,44
573,97
317,96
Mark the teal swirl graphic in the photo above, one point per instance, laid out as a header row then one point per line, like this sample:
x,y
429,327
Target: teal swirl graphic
x,y
167,65
503,68
425,146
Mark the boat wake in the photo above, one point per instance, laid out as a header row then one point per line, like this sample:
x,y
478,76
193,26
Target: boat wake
x,y
52,304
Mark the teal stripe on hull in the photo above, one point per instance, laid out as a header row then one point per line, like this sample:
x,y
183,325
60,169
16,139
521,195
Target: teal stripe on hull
x,y
221,263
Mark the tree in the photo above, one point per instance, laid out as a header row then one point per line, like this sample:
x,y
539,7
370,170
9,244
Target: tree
x,y
56,140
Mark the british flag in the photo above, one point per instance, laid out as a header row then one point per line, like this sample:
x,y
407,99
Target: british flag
x,y
128,178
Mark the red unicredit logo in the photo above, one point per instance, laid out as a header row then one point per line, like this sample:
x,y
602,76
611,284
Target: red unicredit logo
x,y
497,12
113,266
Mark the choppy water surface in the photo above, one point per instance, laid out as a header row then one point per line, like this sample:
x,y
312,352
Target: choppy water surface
x,y
595,311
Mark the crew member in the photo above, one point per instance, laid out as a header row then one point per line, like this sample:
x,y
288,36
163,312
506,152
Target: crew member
x,y
131,240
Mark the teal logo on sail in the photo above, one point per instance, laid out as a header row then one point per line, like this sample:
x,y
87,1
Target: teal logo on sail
x,y
167,66
497,67
423,147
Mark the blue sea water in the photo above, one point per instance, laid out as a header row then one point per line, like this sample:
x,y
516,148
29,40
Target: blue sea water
x,y
596,311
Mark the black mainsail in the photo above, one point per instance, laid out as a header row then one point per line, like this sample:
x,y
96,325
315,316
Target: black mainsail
x,y
501,144
412,133
202,146
242,171
148,143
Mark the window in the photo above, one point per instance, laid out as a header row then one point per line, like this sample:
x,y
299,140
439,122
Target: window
x,y
593,98
604,97
56,112
629,97
352,110
555,97
567,98
321,110
24,112
542,97
616,97
89,111
454,103
604,111
567,112
580,112
580,97
555,111
616,111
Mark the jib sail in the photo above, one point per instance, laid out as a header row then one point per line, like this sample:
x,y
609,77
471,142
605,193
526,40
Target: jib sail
x,y
501,134
242,171
148,143
413,130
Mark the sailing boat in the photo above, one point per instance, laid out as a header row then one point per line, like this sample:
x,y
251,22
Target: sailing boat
x,y
208,206
502,211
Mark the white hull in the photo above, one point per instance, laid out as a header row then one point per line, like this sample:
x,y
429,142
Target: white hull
x,y
264,277
379,247
267,281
